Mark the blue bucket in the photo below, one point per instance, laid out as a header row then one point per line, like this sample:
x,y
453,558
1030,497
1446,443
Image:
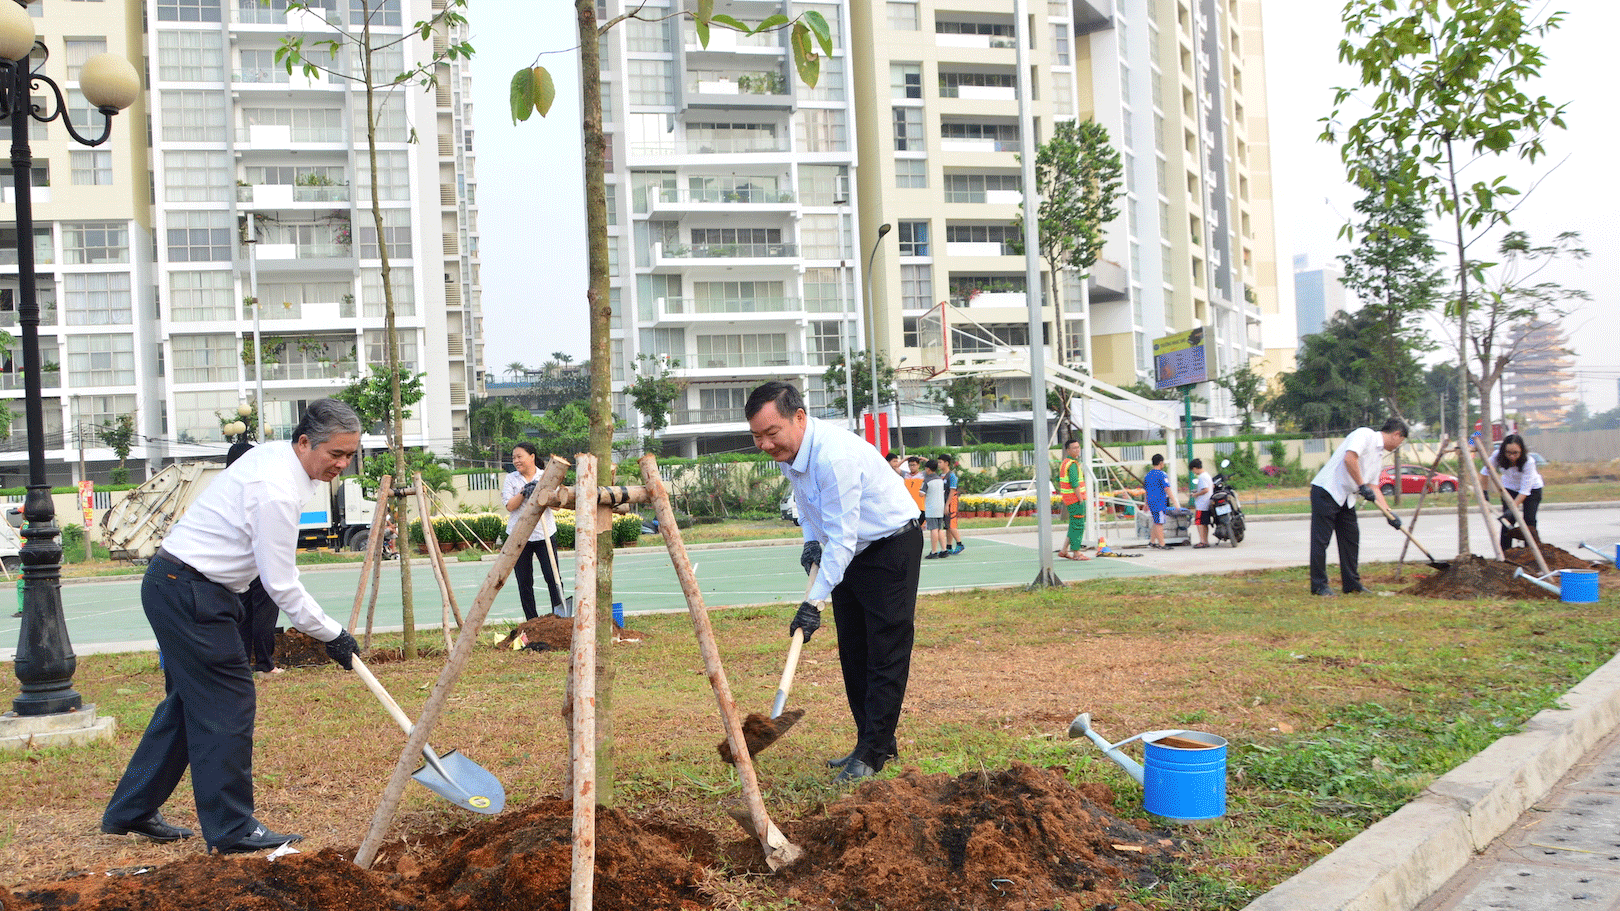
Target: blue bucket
x,y
1185,784
1578,586
618,614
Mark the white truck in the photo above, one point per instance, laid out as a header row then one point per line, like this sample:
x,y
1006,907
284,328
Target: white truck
x,y
337,516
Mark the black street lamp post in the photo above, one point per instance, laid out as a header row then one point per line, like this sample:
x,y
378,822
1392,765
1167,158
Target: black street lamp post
x,y
45,661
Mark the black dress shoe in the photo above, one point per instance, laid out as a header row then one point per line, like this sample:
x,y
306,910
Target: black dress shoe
x,y
853,771
841,761
260,839
1358,590
152,827
1324,592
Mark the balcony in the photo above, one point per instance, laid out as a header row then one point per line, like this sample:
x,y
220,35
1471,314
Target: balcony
x,y
979,248
280,195
745,360
738,88
279,79
318,311
681,416
681,308
48,379
712,199
979,144
728,41
724,254
47,317
277,138
739,145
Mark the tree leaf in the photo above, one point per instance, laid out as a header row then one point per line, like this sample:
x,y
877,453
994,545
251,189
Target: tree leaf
x,y
545,91
705,13
731,22
818,24
804,59
522,94
773,21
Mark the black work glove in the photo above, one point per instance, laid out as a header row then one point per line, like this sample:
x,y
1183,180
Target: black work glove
x,y
808,618
810,556
1395,522
1366,492
528,489
343,649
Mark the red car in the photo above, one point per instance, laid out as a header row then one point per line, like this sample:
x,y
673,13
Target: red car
x,y
1414,478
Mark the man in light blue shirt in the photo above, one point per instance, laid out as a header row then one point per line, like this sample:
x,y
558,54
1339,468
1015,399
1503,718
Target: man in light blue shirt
x,y
860,525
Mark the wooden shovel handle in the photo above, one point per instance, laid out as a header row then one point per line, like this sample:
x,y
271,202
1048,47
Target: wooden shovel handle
x,y
794,648
376,687
1389,515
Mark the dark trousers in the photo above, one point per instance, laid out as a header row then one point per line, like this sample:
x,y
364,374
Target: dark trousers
x,y
206,719
1329,519
258,627
1531,506
875,608
542,551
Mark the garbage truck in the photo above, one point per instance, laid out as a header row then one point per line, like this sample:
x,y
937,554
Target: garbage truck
x,y
338,515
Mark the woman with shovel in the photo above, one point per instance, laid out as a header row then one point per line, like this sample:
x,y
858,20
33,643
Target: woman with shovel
x,y
542,544
1522,482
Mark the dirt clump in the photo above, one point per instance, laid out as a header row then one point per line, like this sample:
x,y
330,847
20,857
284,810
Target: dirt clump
x,y
999,840
1556,557
1470,576
1004,839
548,633
295,649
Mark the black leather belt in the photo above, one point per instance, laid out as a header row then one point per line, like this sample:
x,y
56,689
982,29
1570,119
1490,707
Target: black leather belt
x,y
171,558
914,523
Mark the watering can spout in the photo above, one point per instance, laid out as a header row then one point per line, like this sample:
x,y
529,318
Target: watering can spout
x,y
1081,727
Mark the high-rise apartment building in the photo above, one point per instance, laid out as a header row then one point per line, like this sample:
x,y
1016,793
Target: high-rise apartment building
x,y
730,214
745,205
1538,386
235,198
1318,295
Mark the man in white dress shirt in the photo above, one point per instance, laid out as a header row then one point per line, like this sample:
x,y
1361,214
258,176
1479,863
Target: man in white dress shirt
x,y
244,526
1352,470
860,525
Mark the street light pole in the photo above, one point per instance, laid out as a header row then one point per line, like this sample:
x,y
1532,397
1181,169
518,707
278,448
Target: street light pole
x,y
871,324
45,661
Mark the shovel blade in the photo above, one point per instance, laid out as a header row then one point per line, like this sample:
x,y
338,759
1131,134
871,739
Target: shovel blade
x,y
464,783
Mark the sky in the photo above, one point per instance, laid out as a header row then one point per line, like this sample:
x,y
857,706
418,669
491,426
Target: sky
x,y
531,202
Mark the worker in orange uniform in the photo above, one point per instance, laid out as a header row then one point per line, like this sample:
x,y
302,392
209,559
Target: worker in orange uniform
x,y
1072,488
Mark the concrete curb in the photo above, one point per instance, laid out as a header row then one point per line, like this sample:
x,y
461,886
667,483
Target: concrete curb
x,y
1403,859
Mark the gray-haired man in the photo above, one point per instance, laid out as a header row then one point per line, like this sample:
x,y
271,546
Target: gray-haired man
x,y
245,525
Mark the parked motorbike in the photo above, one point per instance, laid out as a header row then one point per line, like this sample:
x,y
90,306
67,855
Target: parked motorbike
x,y
1225,510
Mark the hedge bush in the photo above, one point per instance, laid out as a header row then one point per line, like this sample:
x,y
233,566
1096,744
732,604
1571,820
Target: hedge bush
x,y
484,527
626,529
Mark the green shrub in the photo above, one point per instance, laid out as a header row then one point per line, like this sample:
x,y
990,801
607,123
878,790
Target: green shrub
x,y
626,529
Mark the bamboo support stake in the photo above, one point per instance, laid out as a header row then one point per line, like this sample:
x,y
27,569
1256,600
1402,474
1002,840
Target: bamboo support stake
x,y
526,519
620,495
582,676
1466,460
778,850
373,548
430,536
1439,453
376,583
1513,508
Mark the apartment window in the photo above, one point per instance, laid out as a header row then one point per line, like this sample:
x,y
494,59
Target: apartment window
x,y
830,87
371,292
761,350
1004,135
819,237
668,342
1005,235
81,111
204,296
652,82
199,237
911,173
92,168
392,125
722,404
95,242
79,50
196,177
205,358
193,117
103,360
393,177
950,84
905,80
649,37
1060,45
913,238
824,341
756,240
916,286
377,348
97,298
736,297
908,129
396,232
974,187
188,10
823,290
39,175
96,410
379,12
823,185
824,130
903,15
196,414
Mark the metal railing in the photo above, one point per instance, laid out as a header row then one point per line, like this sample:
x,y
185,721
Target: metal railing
x,y
686,306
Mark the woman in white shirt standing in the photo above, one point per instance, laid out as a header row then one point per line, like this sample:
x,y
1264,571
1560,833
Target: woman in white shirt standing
x,y
1522,482
542,544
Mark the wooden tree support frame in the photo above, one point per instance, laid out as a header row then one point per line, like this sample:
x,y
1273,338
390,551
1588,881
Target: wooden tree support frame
x,y
1439,454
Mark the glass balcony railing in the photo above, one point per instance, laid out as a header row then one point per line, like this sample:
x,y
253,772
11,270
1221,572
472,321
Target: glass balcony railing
x,y
47,317
707,416
731,251
735,195
686,306
736,145
48,379
745,359
306,370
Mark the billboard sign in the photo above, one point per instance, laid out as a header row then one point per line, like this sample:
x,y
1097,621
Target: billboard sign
x,y
1183,359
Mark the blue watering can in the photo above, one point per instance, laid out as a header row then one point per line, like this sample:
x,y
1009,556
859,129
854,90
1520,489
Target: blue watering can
x,y
1183,776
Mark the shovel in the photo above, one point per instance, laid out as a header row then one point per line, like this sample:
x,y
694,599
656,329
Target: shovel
x,y
452,776
760,732
1432,561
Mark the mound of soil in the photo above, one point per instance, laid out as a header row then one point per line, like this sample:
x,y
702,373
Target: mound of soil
x,y
1006,840
1470,577
1556,557
554,633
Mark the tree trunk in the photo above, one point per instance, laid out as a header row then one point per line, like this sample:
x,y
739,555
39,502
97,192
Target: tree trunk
x,y
1463,480
396,424
598,301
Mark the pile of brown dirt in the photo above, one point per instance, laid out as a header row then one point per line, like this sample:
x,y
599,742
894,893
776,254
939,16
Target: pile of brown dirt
x,y
1556,557
553,633
295,649
1012,838
1006,840
1470,577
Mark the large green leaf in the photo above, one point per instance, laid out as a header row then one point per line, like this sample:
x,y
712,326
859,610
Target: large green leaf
x,y
804,58
522,95
818,25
